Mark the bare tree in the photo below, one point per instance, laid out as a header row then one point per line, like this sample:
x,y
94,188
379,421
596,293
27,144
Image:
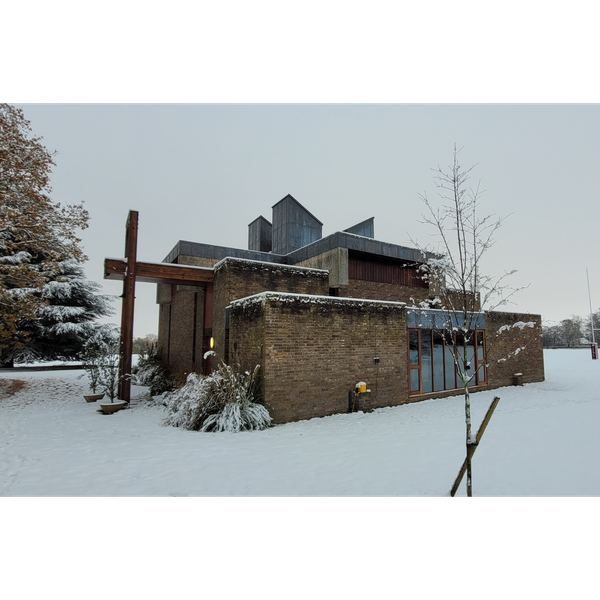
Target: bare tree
x,y
572,331
552,336
455,275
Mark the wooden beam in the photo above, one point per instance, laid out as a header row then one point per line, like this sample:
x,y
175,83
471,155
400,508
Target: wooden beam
x,y
115,268
126,346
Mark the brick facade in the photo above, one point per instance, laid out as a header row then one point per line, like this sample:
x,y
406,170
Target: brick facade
x,y
315,350
316,317
383,291
516,349
237,278
180,327
181,316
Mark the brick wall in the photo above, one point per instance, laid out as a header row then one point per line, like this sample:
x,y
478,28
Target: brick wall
x,y
314,351
515,350
383,291
184,351
196,261
237,278
180,338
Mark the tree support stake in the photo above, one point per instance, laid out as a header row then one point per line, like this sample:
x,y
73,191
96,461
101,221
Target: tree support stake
x,y
472,447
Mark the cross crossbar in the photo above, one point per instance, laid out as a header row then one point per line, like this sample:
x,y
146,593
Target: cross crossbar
x,y
115,268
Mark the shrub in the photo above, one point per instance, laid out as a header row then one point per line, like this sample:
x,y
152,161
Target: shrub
x,y
101,360
150,372
223,401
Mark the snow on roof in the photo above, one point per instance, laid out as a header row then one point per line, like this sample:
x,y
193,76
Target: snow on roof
x,y
287,296
271,265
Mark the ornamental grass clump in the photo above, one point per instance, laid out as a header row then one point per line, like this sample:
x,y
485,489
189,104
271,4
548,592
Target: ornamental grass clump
x,y
225,400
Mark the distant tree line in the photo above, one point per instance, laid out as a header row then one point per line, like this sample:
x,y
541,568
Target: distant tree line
x,y
145,346
573,332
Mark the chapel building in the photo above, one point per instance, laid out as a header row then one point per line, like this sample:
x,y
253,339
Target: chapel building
x,y
320,314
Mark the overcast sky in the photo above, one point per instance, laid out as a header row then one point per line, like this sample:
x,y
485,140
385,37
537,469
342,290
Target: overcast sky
x,y
204,172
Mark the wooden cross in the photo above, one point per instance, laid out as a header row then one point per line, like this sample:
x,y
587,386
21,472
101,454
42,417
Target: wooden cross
x,y
129,270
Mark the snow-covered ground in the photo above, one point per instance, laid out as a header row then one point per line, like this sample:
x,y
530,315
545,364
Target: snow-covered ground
x,y
541,441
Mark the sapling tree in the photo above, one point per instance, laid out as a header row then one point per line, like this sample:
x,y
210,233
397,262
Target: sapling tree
x,y
101,360
463,291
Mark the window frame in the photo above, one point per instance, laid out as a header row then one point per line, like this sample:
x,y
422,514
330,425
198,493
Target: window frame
x,y
480,364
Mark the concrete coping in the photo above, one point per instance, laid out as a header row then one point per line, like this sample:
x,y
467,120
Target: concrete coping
x,y
312,298
270,265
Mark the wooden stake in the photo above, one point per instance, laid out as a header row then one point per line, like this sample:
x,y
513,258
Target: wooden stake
x,y
472,447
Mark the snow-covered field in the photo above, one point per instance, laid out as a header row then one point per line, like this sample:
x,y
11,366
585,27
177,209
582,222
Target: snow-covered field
x,y
541,441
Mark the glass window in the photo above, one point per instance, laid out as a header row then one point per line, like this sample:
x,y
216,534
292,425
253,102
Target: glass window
x,y
438,361
414,380
426,362
413,344
449,360
431,359
481,369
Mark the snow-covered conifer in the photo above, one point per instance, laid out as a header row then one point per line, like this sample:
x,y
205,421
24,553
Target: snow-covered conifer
x,y
36,234
67,319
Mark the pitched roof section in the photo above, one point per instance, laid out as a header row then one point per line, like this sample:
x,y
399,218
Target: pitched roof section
x,y
293,226
365,228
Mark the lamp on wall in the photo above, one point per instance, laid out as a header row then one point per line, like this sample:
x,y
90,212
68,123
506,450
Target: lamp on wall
x,y
212,343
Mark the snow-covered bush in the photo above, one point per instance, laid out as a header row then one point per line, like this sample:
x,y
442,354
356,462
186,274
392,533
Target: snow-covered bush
x,y
225,400
150,372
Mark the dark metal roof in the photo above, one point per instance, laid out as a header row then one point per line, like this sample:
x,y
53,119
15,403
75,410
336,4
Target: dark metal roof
x,y
295,236
339,239
365,228
219,252
293,226
290,197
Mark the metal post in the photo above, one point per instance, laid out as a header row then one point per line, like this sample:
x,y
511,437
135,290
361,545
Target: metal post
x,y
594,345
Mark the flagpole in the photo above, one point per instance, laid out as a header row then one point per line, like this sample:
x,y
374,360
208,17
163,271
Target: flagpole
x,y
594,345
591,311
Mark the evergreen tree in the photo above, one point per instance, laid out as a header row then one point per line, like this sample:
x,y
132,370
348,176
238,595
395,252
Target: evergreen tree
x,y
36,234
66,321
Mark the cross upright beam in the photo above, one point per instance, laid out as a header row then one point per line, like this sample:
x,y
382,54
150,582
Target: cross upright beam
x,y
126,345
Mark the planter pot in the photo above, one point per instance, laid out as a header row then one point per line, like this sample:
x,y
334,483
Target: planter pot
x,y
111,407
94,397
